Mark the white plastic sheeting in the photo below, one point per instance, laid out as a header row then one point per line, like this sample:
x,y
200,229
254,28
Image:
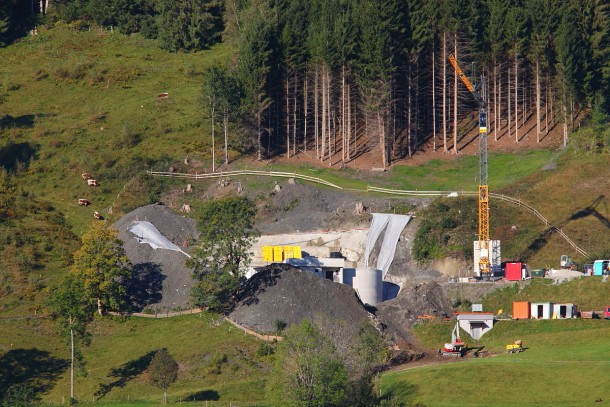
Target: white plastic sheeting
x,y
147,233
393,226
378,224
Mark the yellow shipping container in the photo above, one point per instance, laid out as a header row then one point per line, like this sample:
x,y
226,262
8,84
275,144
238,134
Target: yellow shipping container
x,y
288,252
296,251
268,253
278,253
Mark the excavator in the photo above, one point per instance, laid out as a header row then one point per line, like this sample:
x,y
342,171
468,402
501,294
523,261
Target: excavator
x,y
456,347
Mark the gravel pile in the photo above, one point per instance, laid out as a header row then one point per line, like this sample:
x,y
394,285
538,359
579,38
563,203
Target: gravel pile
x,y
282,292
162,281
398,316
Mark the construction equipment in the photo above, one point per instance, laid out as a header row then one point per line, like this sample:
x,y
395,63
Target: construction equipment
x,y
566,262
515,347
456,347
480,97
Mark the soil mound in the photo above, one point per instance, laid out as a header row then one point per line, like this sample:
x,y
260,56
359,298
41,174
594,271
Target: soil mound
x,y
398,316
281,292
161,280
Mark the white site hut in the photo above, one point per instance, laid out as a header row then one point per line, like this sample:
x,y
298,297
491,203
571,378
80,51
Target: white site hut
x,y
541,310
564,311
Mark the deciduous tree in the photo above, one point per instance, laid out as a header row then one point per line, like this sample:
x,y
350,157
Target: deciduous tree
x,y
102,265
308,371
221,257
73,309
162,371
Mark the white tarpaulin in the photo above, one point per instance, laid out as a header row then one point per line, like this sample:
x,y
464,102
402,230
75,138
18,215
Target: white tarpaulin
x,y
393,225
147,233
379,222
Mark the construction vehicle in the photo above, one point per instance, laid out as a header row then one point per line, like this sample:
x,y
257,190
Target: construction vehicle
x,y
480,97
456,347
566,262
515,347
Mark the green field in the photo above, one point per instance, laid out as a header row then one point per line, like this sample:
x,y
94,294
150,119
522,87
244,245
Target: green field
x,y
218,363
566,363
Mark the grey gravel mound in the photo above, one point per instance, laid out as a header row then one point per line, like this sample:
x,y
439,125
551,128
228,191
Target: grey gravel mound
x,y
162,281
282,292
398,316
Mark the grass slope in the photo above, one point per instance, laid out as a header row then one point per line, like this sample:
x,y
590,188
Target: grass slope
x,y
565,364
217,361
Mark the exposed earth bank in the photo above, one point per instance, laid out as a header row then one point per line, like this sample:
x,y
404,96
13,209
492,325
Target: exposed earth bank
x,y
282,293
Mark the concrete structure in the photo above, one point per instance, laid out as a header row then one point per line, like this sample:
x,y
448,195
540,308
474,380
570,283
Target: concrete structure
x,y
476,324
541,310
564,311
367,282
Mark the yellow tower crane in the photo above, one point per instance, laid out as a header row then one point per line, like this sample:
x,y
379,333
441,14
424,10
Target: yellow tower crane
x,y
480,97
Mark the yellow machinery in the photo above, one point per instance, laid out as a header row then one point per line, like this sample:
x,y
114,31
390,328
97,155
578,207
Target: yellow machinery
x,y
515,347
484,245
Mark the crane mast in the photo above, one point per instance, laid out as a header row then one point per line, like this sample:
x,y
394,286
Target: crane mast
x,y
480,97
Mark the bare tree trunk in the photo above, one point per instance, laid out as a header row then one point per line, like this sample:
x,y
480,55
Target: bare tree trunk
x,y
537,101
316,111
259,136
324,107
499,100
306,110
416,130
349,122
213,139
495,92
294,115
565,119
516,99
546,107
328,117
100,307
455,97
343,144
444,115
508,104
71,321
287,115
433,99
226,126
382,139
409,152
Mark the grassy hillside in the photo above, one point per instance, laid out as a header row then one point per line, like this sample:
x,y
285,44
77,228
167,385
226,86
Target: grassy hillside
x,y
588,293
75,102
565,364
217,361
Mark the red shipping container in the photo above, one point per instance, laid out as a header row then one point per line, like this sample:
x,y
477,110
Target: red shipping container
x,y
513,271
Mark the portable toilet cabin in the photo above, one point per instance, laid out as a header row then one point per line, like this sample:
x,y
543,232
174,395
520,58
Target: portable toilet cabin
x,y
600,267
541,310
521,310
564,311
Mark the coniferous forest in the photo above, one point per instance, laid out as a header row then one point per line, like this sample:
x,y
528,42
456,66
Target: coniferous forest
x,y
339,78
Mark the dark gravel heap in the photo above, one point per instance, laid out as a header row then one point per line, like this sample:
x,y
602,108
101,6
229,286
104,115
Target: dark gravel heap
x,y
398,316
282,292
162,281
